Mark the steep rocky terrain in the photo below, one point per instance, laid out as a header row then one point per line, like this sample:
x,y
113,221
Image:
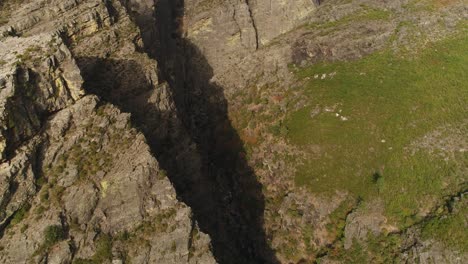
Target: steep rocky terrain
x,y
234,131
79,182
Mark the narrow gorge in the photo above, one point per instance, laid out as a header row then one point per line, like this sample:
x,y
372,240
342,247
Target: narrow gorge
x,y
197,146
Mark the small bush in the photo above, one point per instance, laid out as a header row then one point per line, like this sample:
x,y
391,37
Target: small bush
x,y
378,180
41,181
279,129
53,234
103,249
44,196
56,194
376,177
123,236
162,174
40,210
19,215
23,228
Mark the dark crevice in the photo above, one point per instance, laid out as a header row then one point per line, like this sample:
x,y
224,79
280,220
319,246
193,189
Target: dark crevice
x,y
224,192
12,188
192,137
113,13
20,107
249,8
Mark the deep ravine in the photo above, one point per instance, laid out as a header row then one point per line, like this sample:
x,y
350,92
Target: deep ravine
x,y
200,150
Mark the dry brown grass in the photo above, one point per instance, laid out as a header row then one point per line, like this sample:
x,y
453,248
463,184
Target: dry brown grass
x,y
439,4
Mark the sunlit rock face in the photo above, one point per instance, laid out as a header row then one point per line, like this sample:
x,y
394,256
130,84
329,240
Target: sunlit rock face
x,y
78,183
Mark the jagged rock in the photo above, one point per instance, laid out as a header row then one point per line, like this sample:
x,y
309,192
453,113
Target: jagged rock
x,y
77,181
432,252
40,77
80,210
43,81
363,222
60,254
239,26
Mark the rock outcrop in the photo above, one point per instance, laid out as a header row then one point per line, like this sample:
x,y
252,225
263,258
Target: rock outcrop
x,y
79,184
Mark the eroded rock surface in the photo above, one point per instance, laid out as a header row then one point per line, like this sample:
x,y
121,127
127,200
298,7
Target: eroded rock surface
x,y
78,182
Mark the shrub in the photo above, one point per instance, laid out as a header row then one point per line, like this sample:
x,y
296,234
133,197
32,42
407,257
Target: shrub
x,y
103,249
378,180
19,215
53,234
44,195
174,247
279,129
41,181
39,210
23,228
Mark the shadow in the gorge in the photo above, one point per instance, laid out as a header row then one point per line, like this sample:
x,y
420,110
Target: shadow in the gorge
x,y
226,197
187,126
197,146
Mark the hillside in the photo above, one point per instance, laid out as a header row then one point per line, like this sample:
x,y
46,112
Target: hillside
x,y
209,131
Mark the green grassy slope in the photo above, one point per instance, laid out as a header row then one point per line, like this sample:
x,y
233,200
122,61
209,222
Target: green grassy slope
x,y
369,113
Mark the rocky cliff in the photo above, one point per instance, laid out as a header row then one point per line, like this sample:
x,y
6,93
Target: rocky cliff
x,y
79,183
170,131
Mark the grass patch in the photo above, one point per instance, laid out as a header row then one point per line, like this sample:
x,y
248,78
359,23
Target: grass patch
x,y
19,215
337,218
103,253
357,254
366,14
103,249
450,229
30,54
377,249
52,235
6,8
371,111
428,5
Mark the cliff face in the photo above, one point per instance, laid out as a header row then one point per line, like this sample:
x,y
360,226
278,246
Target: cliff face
x,y
78,182
159,131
